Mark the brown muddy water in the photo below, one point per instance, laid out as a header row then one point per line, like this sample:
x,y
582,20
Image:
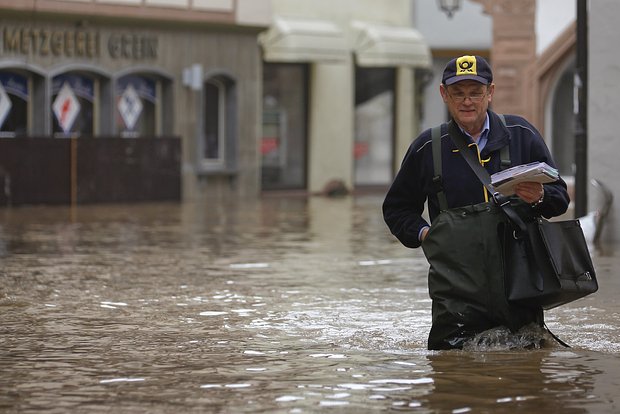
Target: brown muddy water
x,y
286,305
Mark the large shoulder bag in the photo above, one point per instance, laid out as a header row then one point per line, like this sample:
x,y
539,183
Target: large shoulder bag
x,y
546,263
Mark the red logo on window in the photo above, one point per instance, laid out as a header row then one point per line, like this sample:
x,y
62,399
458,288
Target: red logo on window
x,y
269,144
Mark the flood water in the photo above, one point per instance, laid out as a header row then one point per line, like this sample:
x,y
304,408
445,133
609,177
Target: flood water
x,y
287,305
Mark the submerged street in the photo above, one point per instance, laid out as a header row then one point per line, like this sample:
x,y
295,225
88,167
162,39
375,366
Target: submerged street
x,y
282,304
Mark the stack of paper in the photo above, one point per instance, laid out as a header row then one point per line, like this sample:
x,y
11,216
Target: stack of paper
x,y
540,172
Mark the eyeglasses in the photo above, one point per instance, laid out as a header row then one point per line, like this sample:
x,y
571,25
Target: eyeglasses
x,y
474,97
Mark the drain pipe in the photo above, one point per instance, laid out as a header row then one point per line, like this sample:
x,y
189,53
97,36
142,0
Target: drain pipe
x,y
581,111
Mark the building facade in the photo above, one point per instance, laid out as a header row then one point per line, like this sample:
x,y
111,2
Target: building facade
x,y
604,93
124,88
177,99
340,93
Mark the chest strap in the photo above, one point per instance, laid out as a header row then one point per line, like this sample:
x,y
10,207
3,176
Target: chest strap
x,y
437,165
437,181
504,153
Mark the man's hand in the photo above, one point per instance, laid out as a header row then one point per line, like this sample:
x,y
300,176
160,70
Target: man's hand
x,y
530,192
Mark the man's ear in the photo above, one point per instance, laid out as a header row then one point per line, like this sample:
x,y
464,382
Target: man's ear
x,y
444,92
491,91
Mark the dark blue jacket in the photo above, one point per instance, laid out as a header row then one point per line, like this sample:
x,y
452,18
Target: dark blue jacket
x,y
413,185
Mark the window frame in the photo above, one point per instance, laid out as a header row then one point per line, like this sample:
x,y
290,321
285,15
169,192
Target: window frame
x,y
271,174
220,159
156,102
227,134
27,77
95,104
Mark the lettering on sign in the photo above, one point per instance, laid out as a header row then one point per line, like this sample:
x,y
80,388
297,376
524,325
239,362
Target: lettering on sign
x,y
43,42
132,47
76,43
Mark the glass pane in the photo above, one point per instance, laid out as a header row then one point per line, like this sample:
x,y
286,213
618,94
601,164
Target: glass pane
x,y
563,145
283,144
213,95
13,104
374,125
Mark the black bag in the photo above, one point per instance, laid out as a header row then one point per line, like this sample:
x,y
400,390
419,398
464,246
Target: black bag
x,y
547,264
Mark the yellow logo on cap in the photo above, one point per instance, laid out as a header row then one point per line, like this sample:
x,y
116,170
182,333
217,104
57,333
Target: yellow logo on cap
x,y
466,65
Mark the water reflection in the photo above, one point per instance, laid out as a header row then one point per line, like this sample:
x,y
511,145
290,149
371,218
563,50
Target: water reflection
x,y
535,381
285,305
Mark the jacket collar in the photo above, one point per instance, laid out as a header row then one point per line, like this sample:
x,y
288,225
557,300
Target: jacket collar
x,y
498,134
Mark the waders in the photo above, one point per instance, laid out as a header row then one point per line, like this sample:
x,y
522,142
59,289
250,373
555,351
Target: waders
x,y
466,276
466,279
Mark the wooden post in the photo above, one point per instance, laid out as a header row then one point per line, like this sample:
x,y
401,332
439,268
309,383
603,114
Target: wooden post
x,y
74,175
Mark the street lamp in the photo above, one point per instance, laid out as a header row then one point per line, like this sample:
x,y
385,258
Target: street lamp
x,y
449,6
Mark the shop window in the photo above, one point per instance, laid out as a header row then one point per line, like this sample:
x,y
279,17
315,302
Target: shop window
x,y
14,98
284,135
374,125
563,129
73,98
215,121
137,106
217,147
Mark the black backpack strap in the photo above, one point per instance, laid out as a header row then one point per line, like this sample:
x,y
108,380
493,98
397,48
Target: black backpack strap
x,y
437,181
505,151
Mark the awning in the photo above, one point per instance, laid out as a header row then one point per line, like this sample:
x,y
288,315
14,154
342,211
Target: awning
x,y
390,46
303,40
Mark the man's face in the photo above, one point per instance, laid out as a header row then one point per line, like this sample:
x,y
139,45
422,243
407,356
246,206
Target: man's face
x,y
468,102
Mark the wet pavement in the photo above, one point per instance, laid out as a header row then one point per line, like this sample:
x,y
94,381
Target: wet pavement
x,y
288,305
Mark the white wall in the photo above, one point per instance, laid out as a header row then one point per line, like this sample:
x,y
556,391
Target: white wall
x,y
552,18
603,104
468,28
343,11
254,12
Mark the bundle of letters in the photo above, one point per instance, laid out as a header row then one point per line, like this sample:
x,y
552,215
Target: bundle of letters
x,y
505,181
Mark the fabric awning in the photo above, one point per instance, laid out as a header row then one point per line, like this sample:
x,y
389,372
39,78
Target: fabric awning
x,y
303,40
390,46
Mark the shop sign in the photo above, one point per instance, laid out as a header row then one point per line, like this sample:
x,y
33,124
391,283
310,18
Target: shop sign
x,y
130,46
130,106
66,107
79,43
5,105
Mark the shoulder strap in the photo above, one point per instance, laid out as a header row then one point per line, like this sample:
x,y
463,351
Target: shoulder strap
x,y
505,151
461,143
437,167
459,139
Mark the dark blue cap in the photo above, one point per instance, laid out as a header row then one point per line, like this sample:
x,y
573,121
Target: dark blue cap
x,y
467,68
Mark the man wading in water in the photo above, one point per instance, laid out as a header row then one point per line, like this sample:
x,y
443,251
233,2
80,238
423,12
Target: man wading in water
x,y
462,243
